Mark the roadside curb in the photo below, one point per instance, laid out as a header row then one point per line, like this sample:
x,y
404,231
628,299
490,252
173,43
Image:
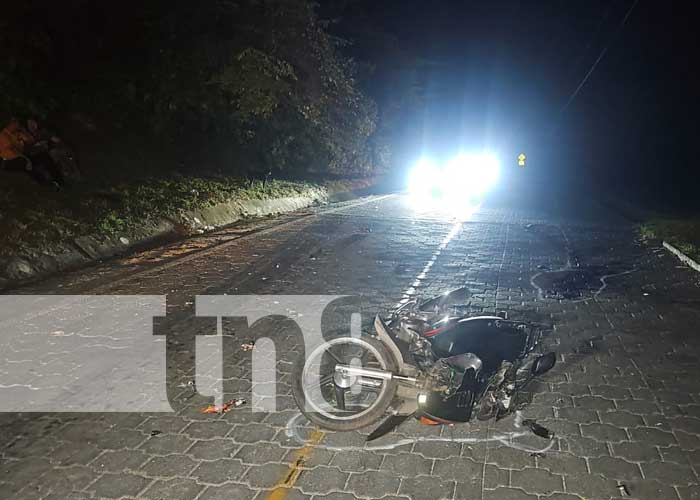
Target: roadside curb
x,y
683,257
75,253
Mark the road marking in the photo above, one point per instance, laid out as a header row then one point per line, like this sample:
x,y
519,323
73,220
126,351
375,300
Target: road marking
x,y
413,289
500,270
295,467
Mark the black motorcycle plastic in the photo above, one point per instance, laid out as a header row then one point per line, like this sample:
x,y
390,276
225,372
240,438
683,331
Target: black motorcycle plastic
x,y
537,429
492,340
387,426
543,364
456,408
446,300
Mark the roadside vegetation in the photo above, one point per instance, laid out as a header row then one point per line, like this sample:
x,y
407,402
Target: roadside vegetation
x,y
32,220
174,105
684,234
243,88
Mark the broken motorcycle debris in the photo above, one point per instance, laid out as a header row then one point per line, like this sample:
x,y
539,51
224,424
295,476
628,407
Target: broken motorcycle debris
x,y
537,429
624,492
224,408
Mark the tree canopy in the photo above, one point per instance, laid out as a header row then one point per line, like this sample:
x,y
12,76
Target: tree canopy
x,y
240,86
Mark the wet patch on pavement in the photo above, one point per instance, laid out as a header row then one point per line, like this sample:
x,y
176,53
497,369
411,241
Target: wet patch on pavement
x,y
578,283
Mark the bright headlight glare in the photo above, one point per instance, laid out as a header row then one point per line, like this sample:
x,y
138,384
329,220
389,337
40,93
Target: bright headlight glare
x,y
471,174
455,188
422,179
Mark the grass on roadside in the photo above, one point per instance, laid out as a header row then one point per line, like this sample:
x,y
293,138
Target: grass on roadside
x,y
33,217
684,234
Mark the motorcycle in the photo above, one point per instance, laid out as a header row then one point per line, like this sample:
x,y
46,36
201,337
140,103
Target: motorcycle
x,y
428,361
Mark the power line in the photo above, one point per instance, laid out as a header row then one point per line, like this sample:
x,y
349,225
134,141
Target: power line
x,y
593,39
585,79
600,58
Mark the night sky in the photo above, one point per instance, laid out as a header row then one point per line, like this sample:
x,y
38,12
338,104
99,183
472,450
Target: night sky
x,y
500,75
506,72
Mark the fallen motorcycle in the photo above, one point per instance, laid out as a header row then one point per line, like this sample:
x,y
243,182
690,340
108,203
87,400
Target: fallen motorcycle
x,y
427,360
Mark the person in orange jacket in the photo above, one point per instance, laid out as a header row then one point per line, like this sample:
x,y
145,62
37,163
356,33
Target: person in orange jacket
x,y
15,140
42,155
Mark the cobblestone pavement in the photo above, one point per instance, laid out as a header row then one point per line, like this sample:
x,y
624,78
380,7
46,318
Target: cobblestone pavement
x,y
624,398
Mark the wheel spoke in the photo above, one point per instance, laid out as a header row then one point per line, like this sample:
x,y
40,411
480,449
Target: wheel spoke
x,y
340,397
363,358
352,396
323,381
336,358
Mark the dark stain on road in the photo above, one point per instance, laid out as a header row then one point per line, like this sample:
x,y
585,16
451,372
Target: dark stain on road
x,y
353,238
576,280
577,283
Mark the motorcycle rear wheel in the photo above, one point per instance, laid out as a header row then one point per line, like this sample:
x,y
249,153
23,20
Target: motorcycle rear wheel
x,y
336,418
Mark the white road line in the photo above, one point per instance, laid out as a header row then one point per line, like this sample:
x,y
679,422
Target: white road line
x,y
411,291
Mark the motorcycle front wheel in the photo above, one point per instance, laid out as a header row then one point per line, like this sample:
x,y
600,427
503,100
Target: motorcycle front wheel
x,y
344,403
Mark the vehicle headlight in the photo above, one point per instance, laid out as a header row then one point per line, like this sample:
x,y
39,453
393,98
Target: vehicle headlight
x,y
471,175
424,179
457,187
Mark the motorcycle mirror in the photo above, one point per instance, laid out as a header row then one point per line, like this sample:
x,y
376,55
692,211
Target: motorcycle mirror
x,y
543,364
451,298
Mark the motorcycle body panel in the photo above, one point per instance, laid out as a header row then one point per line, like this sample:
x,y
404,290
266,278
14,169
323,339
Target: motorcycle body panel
x,y
491,338
456,408
398,349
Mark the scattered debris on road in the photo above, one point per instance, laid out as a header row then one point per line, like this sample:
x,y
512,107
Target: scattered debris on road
x,y
624,492
224,408
589,346
537,429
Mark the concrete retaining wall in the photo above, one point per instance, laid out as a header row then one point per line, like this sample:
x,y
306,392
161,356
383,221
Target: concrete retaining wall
x,y
70,254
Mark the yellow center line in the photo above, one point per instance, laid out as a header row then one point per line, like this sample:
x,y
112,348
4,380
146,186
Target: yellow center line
x,y
296,466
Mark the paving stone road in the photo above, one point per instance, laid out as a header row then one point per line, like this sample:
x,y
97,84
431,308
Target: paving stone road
x,y
624,398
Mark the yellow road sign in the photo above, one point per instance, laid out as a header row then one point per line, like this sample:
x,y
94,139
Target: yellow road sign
x,y
521,159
